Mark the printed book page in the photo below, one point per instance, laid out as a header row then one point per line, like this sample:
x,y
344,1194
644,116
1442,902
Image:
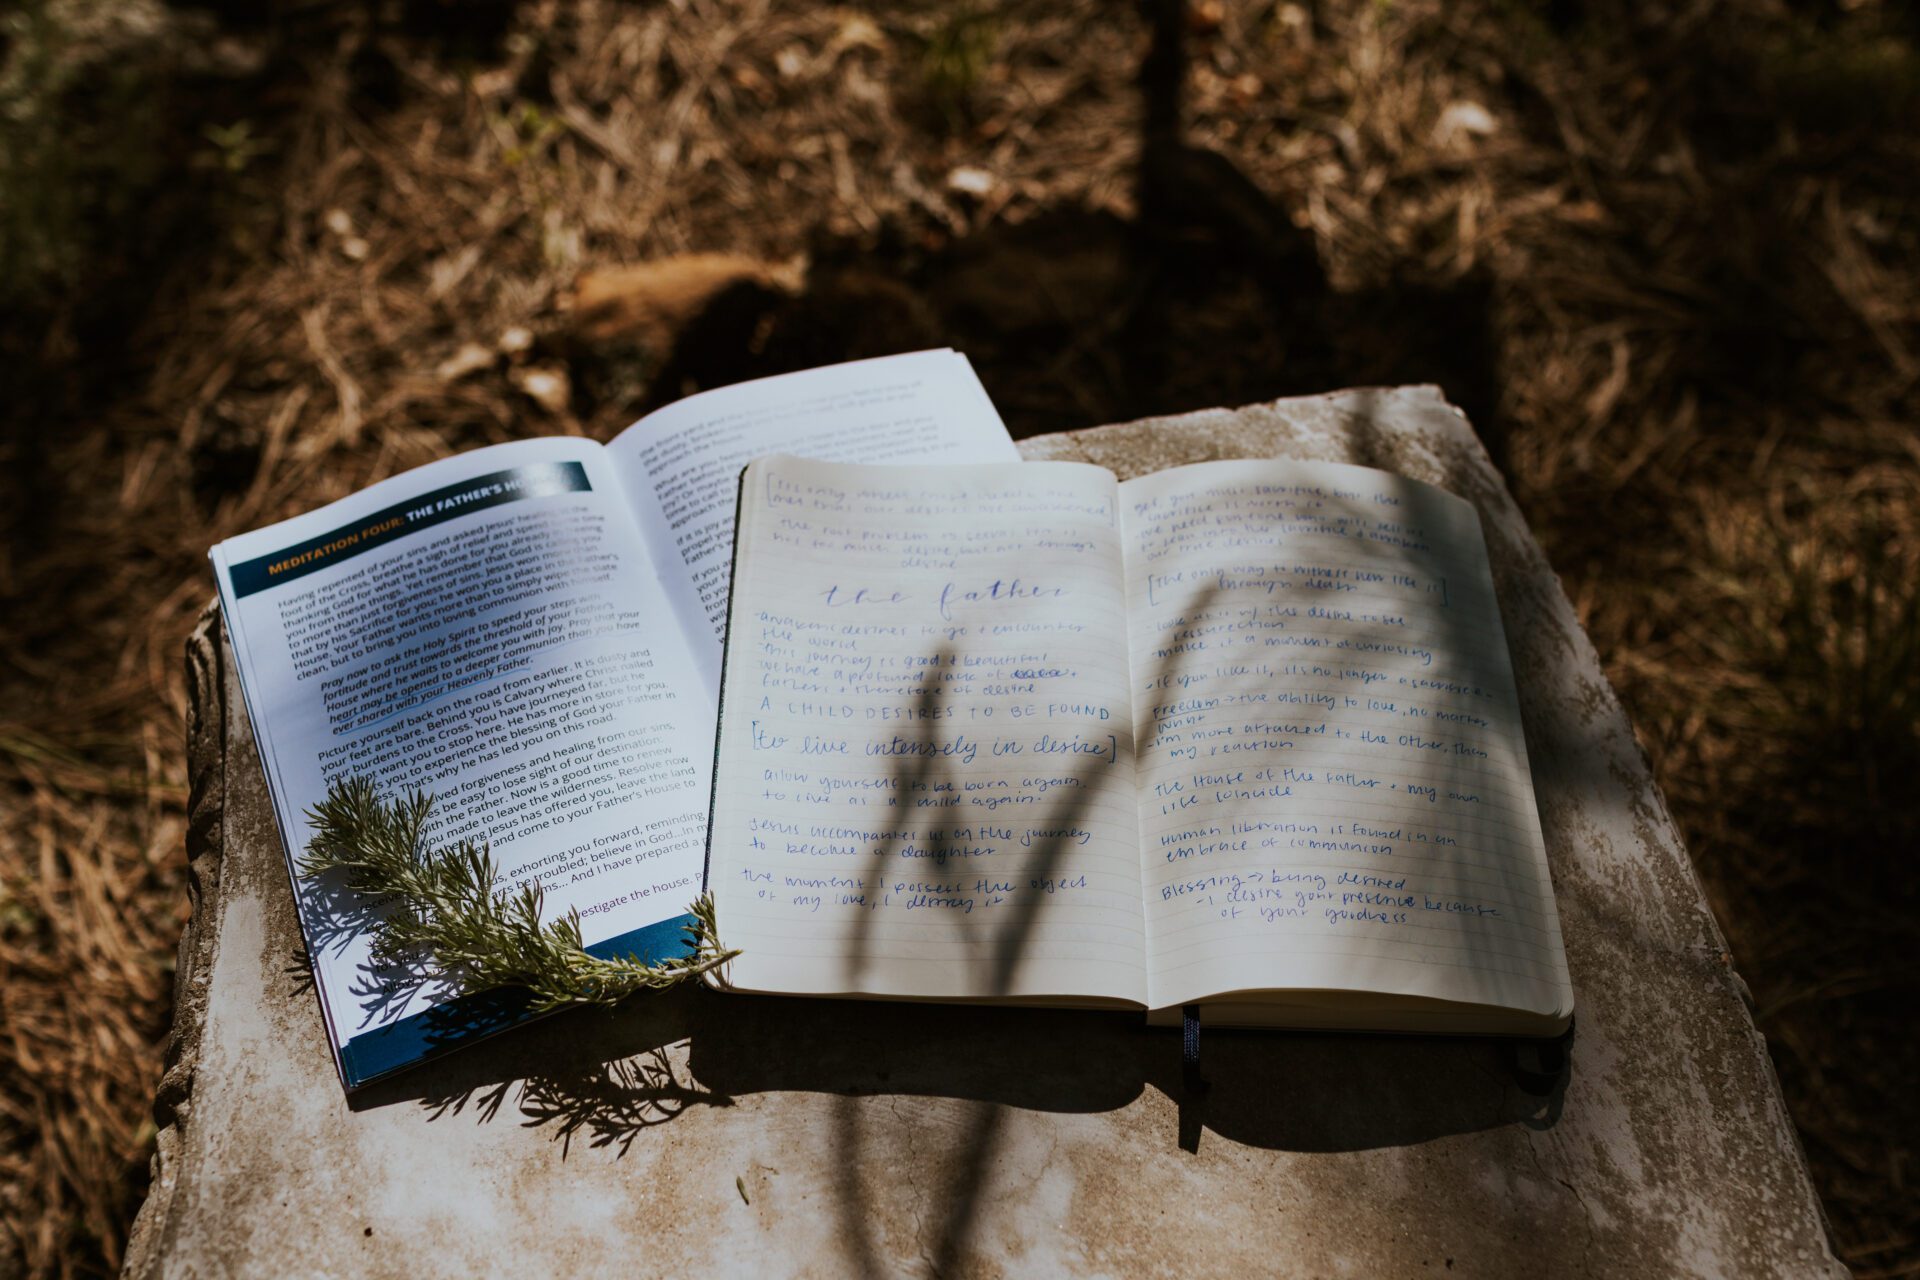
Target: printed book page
x,y
682,463
487,628
925,781
1333,776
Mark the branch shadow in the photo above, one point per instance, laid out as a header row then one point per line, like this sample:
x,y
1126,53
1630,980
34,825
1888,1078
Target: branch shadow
x,y
1019,1037
597,1076
331,916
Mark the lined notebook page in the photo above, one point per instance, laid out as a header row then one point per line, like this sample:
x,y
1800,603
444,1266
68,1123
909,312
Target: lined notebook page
x,y
925,779
1334,783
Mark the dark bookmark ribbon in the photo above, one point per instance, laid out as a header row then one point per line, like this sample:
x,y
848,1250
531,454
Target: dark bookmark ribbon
x,y
1190,1075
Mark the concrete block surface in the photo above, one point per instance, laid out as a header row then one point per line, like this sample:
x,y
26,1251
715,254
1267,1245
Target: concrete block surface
x,y
714,1134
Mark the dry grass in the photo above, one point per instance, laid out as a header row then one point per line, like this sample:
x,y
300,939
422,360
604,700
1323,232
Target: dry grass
x,y
1678,256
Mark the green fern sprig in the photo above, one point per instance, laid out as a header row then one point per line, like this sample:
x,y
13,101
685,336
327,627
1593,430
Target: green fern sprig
x,y
446,912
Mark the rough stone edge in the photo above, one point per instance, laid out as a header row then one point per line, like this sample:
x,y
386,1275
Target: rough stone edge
x,y
206,812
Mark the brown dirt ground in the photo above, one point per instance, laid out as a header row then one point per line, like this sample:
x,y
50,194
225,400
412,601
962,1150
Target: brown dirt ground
x,y
1667,260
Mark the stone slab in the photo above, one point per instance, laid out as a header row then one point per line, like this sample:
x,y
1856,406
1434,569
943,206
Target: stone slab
x,y
719,1135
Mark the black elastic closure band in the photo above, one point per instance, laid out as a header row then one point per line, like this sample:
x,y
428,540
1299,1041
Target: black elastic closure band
x,y
1190,1075
1539,1064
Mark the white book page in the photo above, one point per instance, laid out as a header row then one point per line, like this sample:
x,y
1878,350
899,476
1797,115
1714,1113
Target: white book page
x,y
1333,776
682,463
925,782
487,628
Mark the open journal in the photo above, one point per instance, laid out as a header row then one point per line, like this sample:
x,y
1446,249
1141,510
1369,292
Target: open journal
x,y
531,632
1240,734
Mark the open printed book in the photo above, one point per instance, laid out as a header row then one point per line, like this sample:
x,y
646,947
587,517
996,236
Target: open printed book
x,y
1240,734
530,632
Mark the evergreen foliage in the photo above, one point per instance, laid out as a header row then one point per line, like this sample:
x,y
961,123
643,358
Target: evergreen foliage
x,y
446,915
